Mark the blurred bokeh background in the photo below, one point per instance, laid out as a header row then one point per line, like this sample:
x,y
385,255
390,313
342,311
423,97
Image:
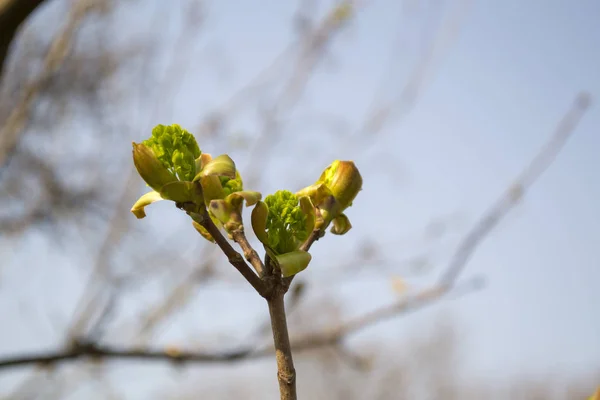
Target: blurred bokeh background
x,y
441,104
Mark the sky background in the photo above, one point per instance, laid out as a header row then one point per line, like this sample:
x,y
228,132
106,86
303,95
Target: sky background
x,y
491,97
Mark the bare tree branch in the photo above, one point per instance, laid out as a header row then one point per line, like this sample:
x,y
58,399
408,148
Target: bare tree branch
x,y
57,52
12,15
94,351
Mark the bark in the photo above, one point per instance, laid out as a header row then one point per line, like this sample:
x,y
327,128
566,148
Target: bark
x,y
286,374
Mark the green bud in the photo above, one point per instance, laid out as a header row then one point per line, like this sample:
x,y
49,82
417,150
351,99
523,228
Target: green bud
x,y
229,210
286,223
176,149
335,190
232,185
344,181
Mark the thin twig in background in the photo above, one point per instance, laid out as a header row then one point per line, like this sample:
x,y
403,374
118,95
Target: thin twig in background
x,y
95,351
564,129
57,52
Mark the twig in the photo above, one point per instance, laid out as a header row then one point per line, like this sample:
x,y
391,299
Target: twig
x,y
57,53
80,349
249,253
286,373
233,256
516,191
99,352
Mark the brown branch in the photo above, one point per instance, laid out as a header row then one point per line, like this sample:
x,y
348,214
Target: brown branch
x,y
249,253
314,236
81,350
286,373
58,51
99,352
234,257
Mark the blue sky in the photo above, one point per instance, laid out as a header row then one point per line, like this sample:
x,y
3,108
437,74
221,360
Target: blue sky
x,y
489,101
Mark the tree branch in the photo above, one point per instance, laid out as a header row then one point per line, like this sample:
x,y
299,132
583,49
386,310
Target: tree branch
x,y
249,253
57,52
81,349
233,256
286,373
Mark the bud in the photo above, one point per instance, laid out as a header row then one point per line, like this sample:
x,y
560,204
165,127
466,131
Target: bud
x,y
229,210
176,149
335,190
213,176
283,221
344,181
150,168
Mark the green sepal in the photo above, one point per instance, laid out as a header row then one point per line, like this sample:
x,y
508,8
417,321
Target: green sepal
x,y
341,225
203,232
293,262
260,212
144,201
229,210
180,192
308,208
